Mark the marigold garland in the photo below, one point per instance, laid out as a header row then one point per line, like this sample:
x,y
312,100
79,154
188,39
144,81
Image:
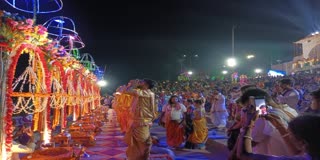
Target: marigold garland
x,y
10,75
63,80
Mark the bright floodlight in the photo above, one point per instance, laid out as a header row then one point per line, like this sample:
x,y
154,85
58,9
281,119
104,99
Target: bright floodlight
x,y
250,56
190,72
231,62
317,32
102,83
224,72
258,70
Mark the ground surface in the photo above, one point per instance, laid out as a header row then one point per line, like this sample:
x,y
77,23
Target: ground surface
x,y
110,146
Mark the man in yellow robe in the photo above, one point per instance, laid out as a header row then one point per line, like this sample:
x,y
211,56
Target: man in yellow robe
x,y
144,111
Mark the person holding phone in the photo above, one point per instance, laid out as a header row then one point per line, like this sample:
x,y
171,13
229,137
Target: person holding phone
x,y
266,138
302,131
260,104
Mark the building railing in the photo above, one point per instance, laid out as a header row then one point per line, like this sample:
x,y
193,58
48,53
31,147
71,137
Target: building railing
x,y
305,68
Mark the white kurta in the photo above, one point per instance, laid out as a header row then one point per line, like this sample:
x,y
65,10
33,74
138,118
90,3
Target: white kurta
x,y
219,114
173,113
290,98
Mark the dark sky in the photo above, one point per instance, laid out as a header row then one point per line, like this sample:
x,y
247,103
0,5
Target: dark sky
x,y
138,39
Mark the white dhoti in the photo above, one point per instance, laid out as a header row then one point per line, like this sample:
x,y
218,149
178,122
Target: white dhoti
x,y
219,114
219,119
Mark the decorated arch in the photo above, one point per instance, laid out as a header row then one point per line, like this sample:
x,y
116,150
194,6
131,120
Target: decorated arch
x,y
50,81
29,91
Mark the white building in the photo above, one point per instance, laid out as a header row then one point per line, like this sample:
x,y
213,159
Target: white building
x,y
306,56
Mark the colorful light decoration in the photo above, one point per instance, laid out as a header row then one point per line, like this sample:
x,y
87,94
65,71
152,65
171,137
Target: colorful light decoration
x,y
60,26
39,6
100,76
75,53
99,72
63,30
88,62
70,42
36,6
22,37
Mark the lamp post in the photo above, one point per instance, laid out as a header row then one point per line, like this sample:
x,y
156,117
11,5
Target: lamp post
x,y
233,28
190,56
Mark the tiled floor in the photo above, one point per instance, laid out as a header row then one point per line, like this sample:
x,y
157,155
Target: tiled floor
x,y
215,147
110,146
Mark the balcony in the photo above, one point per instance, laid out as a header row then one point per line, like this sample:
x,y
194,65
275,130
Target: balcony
x,y
305,68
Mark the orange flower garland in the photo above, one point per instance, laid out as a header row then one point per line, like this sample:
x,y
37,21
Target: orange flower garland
x,y
63,80
10,76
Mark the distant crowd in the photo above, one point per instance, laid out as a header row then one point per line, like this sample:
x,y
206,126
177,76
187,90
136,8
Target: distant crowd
x,y
279,101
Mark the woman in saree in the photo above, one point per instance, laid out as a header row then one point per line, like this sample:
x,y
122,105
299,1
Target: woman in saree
x,y
174,113
189,119
199,136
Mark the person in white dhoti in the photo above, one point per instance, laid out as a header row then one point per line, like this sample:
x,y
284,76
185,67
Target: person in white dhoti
x,y
219,114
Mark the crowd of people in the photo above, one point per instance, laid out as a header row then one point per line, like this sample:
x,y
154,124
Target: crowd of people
x,y
184,105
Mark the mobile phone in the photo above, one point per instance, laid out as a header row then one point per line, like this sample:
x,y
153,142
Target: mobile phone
x,y
261,106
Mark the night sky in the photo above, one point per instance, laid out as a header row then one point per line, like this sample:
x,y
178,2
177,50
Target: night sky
x,y
146,39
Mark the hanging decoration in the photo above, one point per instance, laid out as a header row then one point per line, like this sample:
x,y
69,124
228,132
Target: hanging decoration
x,y
63,30
36,6
75,53
88,62
99,72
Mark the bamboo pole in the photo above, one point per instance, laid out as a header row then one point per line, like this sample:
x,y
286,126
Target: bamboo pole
x,y
3,79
